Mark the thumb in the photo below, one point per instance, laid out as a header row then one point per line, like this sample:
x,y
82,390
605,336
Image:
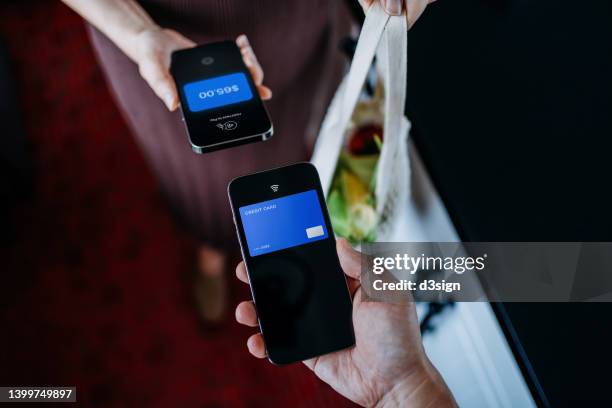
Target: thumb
x,y
350,260
392,7
159,79
365,4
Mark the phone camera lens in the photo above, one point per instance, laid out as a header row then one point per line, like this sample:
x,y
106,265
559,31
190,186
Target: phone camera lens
x,y
207,60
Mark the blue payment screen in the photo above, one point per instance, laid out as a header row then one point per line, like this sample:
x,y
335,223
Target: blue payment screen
x,y
282,223
216,92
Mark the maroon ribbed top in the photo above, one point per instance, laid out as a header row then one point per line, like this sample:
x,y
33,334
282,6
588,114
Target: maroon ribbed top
x,y
293,42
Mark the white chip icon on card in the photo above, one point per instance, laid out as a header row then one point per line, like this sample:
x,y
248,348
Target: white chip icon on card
x,y
314,232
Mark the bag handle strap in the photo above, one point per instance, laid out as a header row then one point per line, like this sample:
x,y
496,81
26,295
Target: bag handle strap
x,y
369,38
350,90
392,62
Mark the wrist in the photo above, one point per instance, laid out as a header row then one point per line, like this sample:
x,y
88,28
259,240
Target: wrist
x,y
139,41
424,387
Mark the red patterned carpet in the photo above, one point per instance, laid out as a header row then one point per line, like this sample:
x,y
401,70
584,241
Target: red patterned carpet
x,y
94,289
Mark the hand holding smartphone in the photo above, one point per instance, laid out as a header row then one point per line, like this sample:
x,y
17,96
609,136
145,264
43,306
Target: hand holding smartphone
x,y
220,103
288,245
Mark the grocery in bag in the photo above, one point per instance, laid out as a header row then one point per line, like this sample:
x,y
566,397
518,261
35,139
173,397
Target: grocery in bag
x,y
362,152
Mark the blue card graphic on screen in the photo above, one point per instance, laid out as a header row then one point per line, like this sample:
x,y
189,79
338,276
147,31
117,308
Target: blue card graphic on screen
x,y
218,91
282,223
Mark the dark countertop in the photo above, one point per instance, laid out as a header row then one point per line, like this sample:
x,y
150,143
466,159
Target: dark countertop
x,y
511,103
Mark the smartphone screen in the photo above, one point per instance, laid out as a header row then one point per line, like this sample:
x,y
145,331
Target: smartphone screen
x,y
219,101
288,245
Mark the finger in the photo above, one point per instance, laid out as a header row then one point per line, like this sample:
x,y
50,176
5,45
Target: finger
x,y
353,285
264,92
256,345
254,68
350,260
392,7
161,82
311,362
365,4
250,60
241,272
246,314
414,9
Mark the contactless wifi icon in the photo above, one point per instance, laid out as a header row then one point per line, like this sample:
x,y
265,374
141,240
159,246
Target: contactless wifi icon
x,y
274,187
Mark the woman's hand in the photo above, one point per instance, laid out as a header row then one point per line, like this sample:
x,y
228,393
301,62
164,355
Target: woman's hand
x,y
131,29
413,8
152,51
387,366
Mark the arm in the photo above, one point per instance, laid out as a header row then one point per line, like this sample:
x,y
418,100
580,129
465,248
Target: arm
x,y
122,21
150,46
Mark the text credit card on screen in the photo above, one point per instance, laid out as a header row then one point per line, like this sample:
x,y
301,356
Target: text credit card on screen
x,y
283,223
216,92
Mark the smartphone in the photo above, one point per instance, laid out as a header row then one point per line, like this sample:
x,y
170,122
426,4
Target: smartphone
x,y
220,104
288,245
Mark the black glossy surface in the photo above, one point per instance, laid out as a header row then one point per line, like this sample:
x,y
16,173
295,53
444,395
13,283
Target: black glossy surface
x,y
250,118
512,110
301,295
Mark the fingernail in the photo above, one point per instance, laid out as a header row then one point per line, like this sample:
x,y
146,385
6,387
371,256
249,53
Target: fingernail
x,y
393,7
251,342
169,100
242,40
267,92
169,104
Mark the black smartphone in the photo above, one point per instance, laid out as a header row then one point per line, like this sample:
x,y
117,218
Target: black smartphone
x,y
220,104
288,245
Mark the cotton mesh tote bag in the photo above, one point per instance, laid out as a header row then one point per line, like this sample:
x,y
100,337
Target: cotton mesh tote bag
x,y
362,151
